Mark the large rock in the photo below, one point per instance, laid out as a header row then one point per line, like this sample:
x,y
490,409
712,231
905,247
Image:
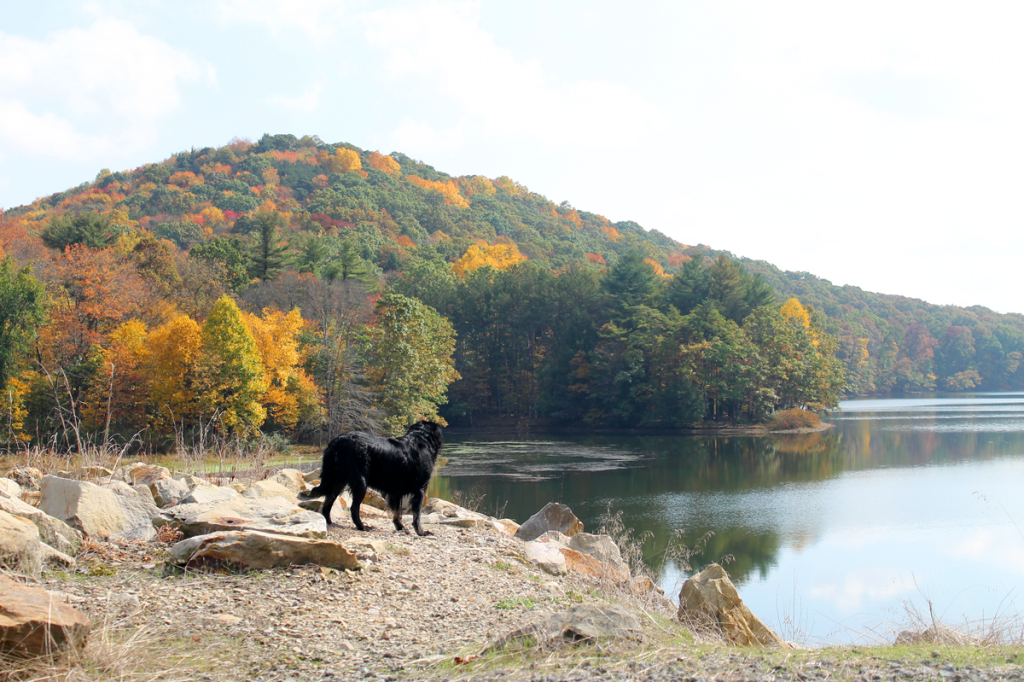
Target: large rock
x,y
311,476
189,480
269,488
204,494
255,549
291,479
147,474
28,478
94,472
10,487
21,549
32,623
268,514
710,598
554,516
102,513
168,491
582,623
53,532
596,556
547,556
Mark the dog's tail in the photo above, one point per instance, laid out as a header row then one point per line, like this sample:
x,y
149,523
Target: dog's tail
x,y
327,472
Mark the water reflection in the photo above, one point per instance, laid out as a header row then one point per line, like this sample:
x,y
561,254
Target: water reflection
x,y
892,489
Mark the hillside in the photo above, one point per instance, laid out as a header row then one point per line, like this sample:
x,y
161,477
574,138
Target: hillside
x,y
559,314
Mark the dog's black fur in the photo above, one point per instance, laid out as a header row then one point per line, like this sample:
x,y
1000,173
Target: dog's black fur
x,y
395,467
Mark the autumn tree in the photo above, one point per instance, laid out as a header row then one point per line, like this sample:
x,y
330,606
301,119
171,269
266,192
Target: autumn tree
x,y
495,256
173,353
231,372
22,310
412,365
291,396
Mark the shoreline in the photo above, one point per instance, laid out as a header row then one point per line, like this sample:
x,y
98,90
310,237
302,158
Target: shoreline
x,y
739,430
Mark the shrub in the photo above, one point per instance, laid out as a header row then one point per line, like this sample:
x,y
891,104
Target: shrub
x,y
794,419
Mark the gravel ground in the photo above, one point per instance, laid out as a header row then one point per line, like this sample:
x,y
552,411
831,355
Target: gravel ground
x,y
414,608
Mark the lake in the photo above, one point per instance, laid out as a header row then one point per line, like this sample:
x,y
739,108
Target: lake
x,y
829,536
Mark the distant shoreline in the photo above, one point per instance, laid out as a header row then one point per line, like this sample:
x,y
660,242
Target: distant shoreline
x,y
734,430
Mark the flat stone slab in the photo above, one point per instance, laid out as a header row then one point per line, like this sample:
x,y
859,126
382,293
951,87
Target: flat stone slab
x,y
267,514
259,550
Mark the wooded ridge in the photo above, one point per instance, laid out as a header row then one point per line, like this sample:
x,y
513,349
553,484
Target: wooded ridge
x,y
296,286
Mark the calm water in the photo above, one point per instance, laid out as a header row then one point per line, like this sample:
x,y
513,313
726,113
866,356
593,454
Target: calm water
x,y
827,534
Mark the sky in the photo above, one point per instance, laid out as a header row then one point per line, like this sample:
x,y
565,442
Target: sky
x,y
878,144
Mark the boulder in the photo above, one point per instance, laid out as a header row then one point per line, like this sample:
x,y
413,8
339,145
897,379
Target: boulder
x,y
710,598
53,532
268,514
508,526
94,473
366,549
255,549
291,479
547,557
28,478
268,488
436,504
33,623
168,491
203,494
601,547
147,474
22,550
311,476
189,480
582,623
374,499
120,512
554,516
10,487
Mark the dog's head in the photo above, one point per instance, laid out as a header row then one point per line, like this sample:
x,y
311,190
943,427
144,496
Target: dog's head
x,y
430,432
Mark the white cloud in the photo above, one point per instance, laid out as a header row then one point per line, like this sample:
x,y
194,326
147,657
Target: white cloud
x,y
317,19
441,46
107,78
308,101
423,137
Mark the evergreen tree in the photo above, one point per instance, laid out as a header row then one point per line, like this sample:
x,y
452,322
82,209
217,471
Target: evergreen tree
x,y
268,257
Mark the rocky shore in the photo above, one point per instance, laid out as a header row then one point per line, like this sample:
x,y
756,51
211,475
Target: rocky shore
x,y
470,601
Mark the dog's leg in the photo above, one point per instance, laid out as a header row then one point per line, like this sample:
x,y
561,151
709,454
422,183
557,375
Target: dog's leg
x,y
396,516
358,493
416,502
329,497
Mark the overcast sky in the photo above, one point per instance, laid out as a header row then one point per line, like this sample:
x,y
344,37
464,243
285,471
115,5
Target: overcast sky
x,y
879,144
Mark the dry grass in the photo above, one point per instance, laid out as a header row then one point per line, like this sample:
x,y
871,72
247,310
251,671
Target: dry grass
x,y
119,649
785,420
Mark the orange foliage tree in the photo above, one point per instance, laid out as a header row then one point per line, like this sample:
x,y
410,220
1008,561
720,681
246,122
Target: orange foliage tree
x,y
383,162
449,190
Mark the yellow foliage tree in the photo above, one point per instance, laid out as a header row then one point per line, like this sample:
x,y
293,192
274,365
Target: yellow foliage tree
x,y
341,161
497,256
173,356
449,190
794,310
476,184
291,394
12,406
118,394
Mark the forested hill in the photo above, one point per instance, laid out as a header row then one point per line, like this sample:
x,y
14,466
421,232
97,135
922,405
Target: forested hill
x,y
559,313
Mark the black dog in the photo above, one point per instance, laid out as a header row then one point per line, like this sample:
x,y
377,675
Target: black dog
x,y
396,467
